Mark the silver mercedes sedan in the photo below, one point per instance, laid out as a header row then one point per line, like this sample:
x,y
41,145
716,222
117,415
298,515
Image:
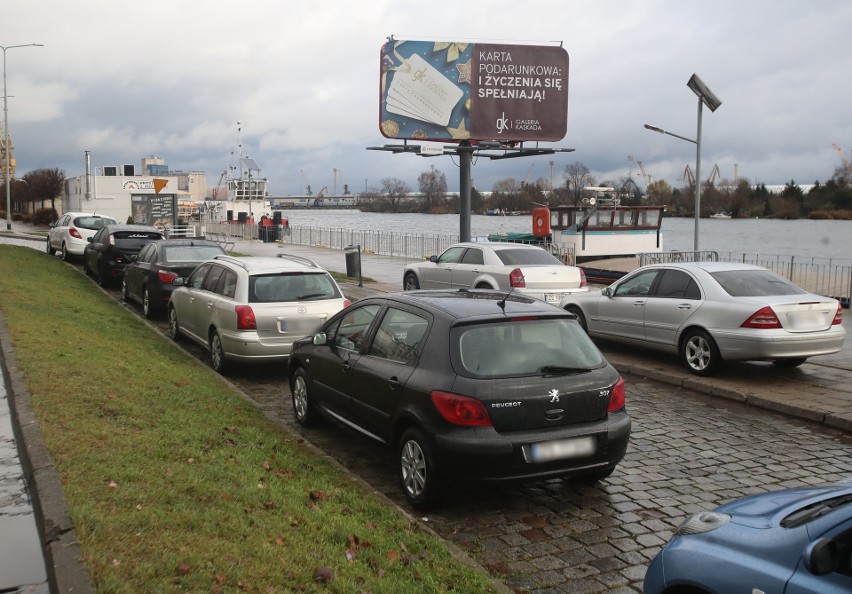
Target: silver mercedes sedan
x,y
709,312
524,269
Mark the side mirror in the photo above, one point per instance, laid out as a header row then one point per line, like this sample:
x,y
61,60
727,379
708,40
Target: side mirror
x,y
320,338
433,258
178,282
822,556
607,292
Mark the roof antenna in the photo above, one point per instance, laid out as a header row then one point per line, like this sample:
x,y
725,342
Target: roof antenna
x,y
502,303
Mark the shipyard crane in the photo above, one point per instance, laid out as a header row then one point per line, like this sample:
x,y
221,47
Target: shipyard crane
x,y
688,175
714,173
339,173
644,173
308,190
219,184
843,158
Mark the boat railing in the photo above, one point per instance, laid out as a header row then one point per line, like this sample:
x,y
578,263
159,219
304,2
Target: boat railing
x,y
668,257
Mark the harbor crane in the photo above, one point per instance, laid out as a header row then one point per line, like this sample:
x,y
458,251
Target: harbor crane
x,y
714,173
688,175
644,173
308,190
843,158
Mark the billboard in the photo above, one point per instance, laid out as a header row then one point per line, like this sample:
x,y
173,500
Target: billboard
x,y
448,91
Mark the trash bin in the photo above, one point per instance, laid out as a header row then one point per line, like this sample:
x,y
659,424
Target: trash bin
x,y
353,261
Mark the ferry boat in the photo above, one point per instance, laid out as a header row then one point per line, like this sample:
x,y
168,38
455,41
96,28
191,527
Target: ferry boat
x,y
598,229
245,197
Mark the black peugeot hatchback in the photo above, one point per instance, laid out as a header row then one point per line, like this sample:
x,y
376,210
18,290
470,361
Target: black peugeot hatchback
x,y
469,384
110,249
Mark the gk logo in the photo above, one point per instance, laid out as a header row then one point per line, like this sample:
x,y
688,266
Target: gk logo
x,y
554,395
502,123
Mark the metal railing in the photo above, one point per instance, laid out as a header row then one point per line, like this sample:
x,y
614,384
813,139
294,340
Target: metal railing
x,y
824,276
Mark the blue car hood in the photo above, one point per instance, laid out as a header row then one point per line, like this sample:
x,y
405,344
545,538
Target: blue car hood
x,y
764,510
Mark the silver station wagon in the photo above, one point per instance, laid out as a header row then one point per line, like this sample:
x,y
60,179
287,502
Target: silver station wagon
x,y
252,309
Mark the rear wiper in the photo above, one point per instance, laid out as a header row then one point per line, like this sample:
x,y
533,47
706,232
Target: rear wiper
x,y
562,369
310,296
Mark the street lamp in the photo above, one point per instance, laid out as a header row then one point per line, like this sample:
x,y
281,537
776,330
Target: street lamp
x,y
705,97
6,130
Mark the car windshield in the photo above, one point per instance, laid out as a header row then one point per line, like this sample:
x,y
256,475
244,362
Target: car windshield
x,y
521,257
755,283
272,288
92,222
191,253
523,346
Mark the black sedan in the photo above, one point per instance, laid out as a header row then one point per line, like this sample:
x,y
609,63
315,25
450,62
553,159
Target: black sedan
x,y
110,249
467,384
148,278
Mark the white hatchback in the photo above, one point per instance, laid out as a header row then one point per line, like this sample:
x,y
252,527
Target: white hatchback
x,y
520,268
70,233
252,309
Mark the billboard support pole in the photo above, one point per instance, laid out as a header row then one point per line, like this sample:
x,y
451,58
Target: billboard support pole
x,y
465,160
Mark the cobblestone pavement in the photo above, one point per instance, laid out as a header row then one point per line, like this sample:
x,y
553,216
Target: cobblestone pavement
x,y
688,453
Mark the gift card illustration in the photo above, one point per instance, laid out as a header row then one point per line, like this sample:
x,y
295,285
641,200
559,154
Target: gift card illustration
x,y
421,92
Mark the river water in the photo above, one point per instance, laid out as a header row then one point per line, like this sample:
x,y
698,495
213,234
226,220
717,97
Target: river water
x,y
802,238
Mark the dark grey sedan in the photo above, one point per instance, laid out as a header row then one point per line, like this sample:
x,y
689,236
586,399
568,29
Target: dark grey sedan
x,y
148,278
465,385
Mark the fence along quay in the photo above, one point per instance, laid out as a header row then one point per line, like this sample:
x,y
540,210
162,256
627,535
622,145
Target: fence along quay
x,y
823,276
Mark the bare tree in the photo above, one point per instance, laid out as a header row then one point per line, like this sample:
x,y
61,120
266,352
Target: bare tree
x,y
433,185
394,191
577,176
44,184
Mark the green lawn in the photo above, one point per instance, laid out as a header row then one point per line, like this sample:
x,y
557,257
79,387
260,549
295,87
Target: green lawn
x,y
174,481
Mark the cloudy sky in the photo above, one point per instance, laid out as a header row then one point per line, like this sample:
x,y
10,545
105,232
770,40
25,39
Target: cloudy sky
x,y
125,80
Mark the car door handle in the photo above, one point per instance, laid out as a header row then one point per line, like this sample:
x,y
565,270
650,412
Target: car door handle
x,y
394,383
638,304
684,306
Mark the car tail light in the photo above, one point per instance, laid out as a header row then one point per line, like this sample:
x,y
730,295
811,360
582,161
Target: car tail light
x,y
838,317
516,279
74,233
616,397
583,281
166,276
461,410
245,318
763,318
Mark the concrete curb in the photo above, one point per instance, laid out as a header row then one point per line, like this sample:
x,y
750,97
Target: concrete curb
x,y
64,566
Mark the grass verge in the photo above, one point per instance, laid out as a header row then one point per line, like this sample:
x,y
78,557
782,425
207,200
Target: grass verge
x,y
174,482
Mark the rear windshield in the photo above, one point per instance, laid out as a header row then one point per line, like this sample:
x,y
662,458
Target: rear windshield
x,y
522,347
92,222
755,283
272,288
191,253
521,257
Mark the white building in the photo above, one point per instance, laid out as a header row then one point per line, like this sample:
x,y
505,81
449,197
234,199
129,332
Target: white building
x,y
117,191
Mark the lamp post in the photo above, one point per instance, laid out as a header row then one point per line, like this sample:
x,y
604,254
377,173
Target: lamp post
x,y
705,97
6,130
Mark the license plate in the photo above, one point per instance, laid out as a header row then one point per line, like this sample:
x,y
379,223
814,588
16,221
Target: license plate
x,y
300,325
553,297
558,449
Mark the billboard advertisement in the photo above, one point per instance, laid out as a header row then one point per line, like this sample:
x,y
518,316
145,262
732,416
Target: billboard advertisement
x,y
448,91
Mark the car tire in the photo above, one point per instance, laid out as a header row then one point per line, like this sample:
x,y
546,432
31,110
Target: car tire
x,y
418,474
410,282
86,269
174,327
699,353
789,363
65,255
581,319
148,308
217,353
125,296
50,249
303,406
